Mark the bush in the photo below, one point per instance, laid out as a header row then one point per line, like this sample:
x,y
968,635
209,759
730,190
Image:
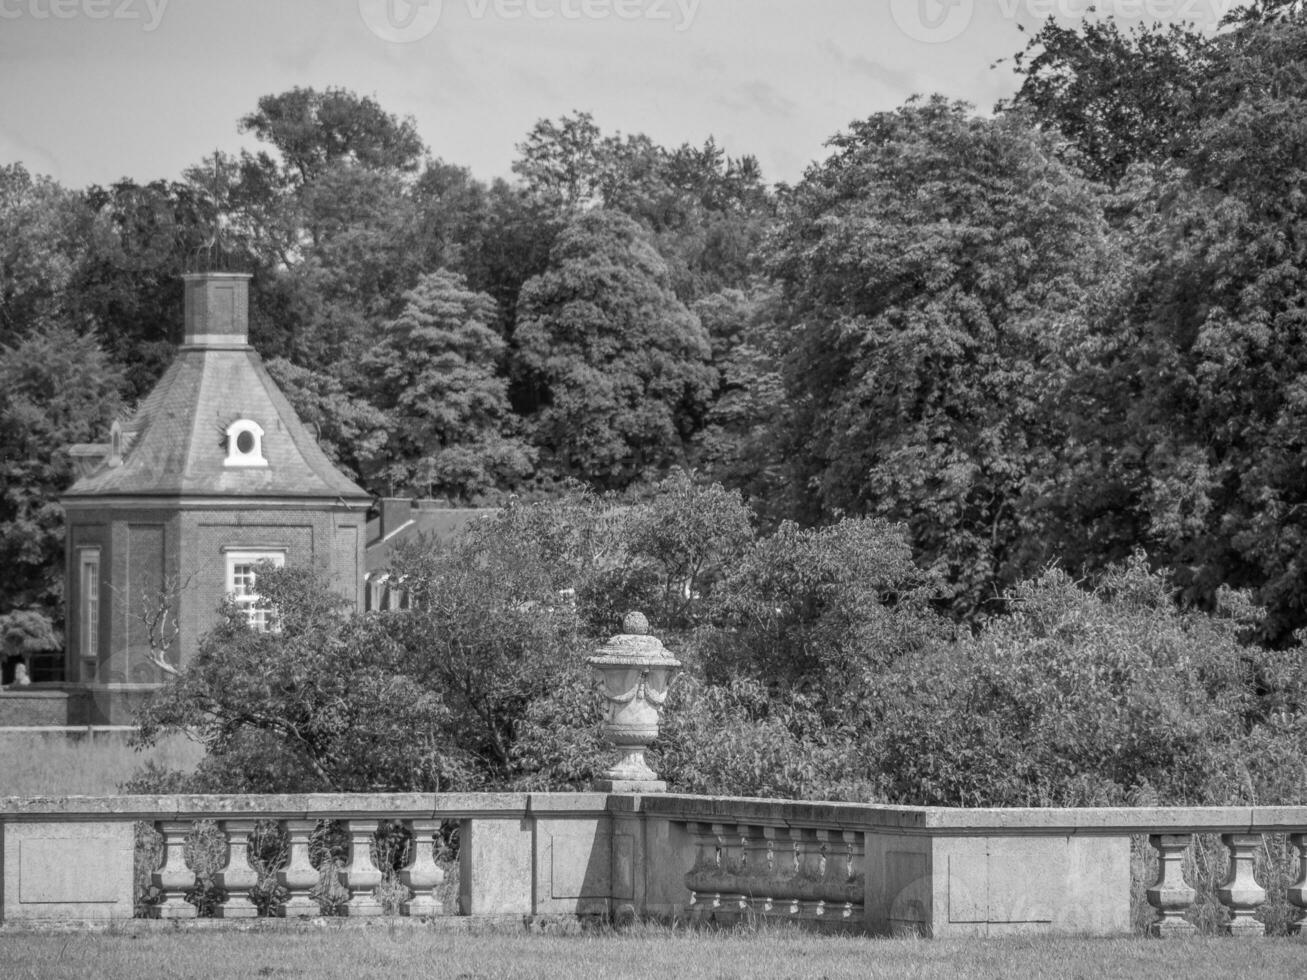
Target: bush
x,y
326,703
816,667
737,740
817,610
1111,695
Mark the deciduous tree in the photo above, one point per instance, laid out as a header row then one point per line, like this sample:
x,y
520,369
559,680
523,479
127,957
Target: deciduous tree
x,y
936,270
57,388
436,373
620,367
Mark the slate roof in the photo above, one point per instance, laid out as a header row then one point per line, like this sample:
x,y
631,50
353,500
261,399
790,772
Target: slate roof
x,y
174,445
427,522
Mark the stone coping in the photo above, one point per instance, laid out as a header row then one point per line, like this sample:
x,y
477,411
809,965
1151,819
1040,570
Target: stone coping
x,y
944,821
319,806
68,729
45,693
867,817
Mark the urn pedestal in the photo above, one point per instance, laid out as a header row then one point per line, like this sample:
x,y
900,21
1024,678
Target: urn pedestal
x,y
634,670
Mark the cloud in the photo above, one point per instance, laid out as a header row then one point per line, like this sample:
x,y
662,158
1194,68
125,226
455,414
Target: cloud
x,y
758,96
899,82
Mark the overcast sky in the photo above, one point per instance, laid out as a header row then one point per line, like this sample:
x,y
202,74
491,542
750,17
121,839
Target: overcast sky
x,y
94,90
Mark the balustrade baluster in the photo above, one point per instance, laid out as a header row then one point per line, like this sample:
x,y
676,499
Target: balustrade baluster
x,y
739,861
728,848
238,878
821,844
1298,890
850,865
793,869
721,862
299,876
1240,893
175,878
1171,896
362,876
768,867
422,876
756,868
705,846
705,867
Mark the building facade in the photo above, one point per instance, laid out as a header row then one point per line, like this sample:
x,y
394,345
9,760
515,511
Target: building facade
x,y
214,474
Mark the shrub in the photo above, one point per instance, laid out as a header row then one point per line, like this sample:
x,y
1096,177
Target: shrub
x,y
816,610
737,740
1109,695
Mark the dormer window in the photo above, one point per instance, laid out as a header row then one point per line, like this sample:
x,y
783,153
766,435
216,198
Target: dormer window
x,y
245,444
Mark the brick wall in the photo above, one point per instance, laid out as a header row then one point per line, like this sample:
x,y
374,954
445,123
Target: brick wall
x,y
141,547
146,563
327,539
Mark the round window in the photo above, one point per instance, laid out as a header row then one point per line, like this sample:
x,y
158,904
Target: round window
x,y
245,442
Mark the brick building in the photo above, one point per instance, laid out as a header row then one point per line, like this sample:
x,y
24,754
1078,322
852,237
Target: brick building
x,y
213,474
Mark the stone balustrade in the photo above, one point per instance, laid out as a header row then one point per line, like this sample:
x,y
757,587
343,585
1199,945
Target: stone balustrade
x,y
857,867
810,874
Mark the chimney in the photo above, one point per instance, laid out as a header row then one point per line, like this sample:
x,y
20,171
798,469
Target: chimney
x,y
217,309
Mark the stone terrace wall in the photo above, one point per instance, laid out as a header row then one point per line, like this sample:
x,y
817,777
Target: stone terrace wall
x,y
855,867
27,707
48,761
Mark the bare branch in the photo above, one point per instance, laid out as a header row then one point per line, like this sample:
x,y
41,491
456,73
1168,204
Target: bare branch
x,y
158,614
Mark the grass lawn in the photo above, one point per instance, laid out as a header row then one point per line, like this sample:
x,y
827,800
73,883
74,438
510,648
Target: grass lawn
x,y
382,951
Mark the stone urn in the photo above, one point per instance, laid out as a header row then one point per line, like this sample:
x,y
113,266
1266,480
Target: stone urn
x,y
634,670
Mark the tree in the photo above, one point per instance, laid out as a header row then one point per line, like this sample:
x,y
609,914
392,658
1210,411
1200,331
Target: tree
x,y
737,444
1257,12
331,214
669,552
350,430
818,611
692,534
435,372
314,130
326,699
509,246
44,231
157,610
141,239
619,366
563,162
707,212
57,388
1106,694
935,273
491,623
1119,97
1205,344
431,697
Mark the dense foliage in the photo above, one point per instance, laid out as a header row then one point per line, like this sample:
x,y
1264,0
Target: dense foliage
x,y
958,352
815,667
937,270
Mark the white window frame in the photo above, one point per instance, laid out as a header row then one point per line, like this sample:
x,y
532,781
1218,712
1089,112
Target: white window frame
x,y
242,587
235,457
90,612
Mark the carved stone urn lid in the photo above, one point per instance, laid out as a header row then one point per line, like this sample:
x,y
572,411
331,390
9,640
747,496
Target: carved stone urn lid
x,y
633,647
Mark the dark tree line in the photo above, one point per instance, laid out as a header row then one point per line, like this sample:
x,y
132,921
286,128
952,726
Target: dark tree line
x,y
1062,333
